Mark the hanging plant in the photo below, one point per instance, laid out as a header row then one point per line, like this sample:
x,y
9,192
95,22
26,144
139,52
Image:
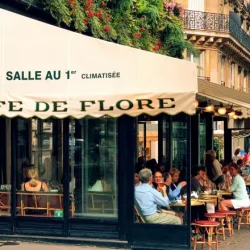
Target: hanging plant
x,y
152,25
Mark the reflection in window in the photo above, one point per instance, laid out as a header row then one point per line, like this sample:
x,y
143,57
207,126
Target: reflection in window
x,y
93,166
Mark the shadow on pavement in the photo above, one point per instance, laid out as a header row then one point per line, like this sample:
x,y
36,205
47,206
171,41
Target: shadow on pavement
x,y
9,243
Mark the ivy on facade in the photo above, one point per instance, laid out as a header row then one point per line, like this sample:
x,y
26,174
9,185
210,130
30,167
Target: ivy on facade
x,y
152,25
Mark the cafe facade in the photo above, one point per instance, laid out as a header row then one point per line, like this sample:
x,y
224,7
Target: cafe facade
x,y
80,109
71,105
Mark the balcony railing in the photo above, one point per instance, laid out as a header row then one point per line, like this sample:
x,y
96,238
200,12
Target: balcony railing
x,y
238,33
197,20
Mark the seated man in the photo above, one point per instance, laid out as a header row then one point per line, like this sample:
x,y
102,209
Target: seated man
x,y
149,199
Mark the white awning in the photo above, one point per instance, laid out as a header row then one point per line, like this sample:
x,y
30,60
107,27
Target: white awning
x,y
240,100
48,71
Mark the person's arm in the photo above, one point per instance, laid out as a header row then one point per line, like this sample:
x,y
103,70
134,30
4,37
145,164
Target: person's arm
x,y
45,187
161,198
234,185
174,193
22,186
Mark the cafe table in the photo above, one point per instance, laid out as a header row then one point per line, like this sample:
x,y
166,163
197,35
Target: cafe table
x,y
194,202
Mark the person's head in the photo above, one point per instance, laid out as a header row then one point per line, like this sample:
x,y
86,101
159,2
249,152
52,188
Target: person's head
x,y
198,171
25,166
167,179
158,177
145,175
224,164
136,178
240,163
32,174
211,155
175,173
233,169
224,169
141,160
237,151
161,167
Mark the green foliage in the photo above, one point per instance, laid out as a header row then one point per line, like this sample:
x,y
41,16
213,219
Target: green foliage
x,y
144,24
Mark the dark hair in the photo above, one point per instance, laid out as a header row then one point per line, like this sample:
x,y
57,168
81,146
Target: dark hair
x,y
195,169
157,171
239,161
224,162
159,165
235,166
165,176
237,151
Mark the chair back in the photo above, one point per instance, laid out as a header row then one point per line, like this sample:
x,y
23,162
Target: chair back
x,y
100,202
138,213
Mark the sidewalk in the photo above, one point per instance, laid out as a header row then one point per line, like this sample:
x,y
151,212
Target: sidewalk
x,y
240,241
10,245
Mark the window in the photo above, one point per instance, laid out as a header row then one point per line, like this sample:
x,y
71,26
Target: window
x,y
40,168
232,75
245,81
5,167
222,70
168,185
93,166
239,78
199,59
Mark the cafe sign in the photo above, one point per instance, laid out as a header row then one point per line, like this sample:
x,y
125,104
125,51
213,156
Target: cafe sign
x,y
48,71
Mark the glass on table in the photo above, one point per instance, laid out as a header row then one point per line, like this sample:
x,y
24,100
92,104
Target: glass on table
x,y
161,183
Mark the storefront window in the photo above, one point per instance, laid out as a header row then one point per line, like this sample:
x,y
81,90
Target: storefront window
x,y
5,167
160,193
93,166
202,140
39,168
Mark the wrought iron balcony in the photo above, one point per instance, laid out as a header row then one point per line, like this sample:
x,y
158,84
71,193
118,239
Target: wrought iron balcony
x,y
238,33
197,20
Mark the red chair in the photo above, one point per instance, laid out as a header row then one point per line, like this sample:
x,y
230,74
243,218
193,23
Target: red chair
x,y
243,215
209,227
220,218
229,220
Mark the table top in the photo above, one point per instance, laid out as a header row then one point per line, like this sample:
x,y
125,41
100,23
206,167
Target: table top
x,y
183,204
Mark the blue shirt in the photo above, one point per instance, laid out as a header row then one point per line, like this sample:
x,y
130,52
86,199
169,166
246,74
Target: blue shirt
x,y
148,199
174,194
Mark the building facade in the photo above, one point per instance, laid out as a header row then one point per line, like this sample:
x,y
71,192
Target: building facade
x,y
220,31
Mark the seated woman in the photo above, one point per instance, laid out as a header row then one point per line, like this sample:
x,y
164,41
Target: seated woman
x,y
33,184
239,190
35,204
201,183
